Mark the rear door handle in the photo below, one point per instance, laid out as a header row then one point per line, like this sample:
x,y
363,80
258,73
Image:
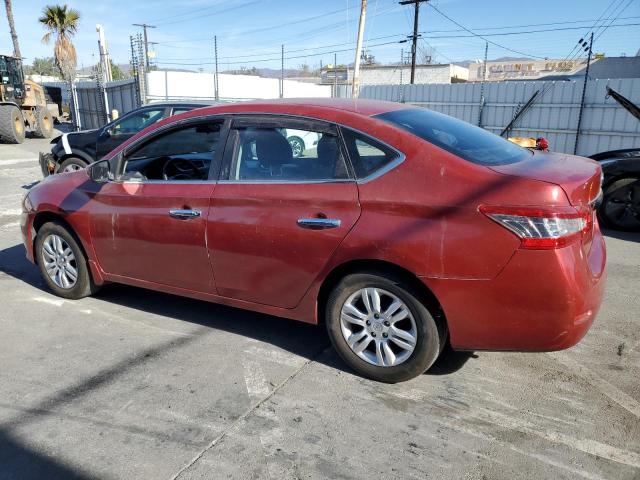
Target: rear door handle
x,y
318,223
184,214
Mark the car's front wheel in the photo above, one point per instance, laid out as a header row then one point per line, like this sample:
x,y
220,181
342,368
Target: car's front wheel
x,y
62,262
381,328
72,164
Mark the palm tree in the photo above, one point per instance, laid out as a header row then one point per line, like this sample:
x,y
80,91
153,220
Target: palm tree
x,y
62,22
12,29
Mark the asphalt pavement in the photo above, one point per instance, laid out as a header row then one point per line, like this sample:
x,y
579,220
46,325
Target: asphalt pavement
x,y
138,384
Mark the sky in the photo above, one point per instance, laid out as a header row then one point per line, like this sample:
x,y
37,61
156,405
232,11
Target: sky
x,y
250,32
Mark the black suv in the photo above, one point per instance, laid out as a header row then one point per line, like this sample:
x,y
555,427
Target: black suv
x,y
76,150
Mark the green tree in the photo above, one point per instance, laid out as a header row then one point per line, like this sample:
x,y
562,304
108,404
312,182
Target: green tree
x,y
61,22
116,72
42,66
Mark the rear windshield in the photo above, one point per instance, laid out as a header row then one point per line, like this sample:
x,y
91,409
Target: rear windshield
x,y
460,138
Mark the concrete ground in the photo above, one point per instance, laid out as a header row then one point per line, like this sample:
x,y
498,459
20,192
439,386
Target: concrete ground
x,y
137,384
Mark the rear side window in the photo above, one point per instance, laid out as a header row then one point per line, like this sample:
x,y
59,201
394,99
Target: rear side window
x,y
460,138
367,155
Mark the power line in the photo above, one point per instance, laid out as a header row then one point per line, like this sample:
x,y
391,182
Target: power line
x,y
197,17
480,36
422,37
525,32
285,58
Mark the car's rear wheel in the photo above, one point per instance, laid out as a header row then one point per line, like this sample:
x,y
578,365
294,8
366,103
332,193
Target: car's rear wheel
x,y
621,204
72,164
381,328
62,262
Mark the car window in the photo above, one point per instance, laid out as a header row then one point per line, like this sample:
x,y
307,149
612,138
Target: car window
x,y
367,155
138,121
460,138
176,111
179,155
283,154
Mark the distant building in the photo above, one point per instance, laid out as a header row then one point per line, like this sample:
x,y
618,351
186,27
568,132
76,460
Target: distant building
x,y
523,69
602,67
397,74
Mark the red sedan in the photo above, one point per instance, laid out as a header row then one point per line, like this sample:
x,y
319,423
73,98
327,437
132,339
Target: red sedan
x,y
400,228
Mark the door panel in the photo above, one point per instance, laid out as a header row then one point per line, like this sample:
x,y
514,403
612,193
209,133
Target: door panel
x,y
258,250
135,235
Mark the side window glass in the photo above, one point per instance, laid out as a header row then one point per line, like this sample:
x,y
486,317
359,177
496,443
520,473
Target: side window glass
x,y
176,111
283,154
367,155
179,155
138,121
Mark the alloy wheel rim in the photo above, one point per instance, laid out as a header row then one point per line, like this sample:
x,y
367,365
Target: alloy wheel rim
x,y
378,327
59,261
72,168
19,124
296,147
623,207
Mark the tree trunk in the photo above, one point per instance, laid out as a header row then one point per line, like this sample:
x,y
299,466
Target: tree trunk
x,y
12,29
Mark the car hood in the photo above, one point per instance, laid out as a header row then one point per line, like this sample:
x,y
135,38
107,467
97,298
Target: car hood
x,y
77,140
579,177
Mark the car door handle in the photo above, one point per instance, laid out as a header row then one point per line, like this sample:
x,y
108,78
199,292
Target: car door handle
x,y
318,223
184,214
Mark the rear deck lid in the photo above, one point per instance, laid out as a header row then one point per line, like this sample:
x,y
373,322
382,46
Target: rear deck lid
x,y
579,177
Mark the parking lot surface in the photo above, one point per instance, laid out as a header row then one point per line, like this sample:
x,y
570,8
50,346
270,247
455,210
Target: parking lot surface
x,y
137,384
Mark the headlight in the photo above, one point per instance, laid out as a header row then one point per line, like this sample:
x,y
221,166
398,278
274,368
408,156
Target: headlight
x,y
27,206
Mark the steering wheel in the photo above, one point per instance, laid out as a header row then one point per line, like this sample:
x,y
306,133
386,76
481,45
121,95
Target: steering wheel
x,y
180,169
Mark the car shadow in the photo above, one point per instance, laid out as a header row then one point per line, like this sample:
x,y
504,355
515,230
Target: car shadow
x,y
620,235
302,339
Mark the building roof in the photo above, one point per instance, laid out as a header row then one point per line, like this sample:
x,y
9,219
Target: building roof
x,y
613,67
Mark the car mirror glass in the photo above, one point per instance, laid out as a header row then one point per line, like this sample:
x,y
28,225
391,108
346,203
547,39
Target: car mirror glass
x,y
100,172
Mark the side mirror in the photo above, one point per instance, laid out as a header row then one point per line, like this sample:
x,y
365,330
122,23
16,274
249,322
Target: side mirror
x,y
100,172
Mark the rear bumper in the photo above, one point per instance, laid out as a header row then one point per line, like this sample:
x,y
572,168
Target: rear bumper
x,y
543,300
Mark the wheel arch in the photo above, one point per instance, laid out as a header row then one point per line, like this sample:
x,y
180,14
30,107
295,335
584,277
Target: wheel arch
x,y
48,216
377,266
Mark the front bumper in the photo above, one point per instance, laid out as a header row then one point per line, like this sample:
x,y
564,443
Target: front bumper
x,y
543,300
47,163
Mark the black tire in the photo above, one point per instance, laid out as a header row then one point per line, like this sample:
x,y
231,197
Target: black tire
x,y
71,164
620,207
44,124
297,146
11,124
84,285
430,335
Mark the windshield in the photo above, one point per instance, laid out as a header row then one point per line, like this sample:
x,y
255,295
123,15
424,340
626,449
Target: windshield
x,y
460,138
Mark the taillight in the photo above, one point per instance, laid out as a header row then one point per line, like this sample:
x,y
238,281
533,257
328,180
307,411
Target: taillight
x,y
545,227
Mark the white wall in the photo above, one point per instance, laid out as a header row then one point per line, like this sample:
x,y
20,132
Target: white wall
x,y
189,85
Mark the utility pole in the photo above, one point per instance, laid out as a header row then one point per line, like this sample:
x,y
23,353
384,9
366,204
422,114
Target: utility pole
x,y
215,78
584,88
484,79
415,36
335,74
355,86
282,72
146,42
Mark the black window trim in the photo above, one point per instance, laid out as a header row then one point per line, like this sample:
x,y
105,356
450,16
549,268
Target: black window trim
x,y
400,157
216,163
273,120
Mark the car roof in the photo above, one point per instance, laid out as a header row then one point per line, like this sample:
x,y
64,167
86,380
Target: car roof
x,y
179,103
361,107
